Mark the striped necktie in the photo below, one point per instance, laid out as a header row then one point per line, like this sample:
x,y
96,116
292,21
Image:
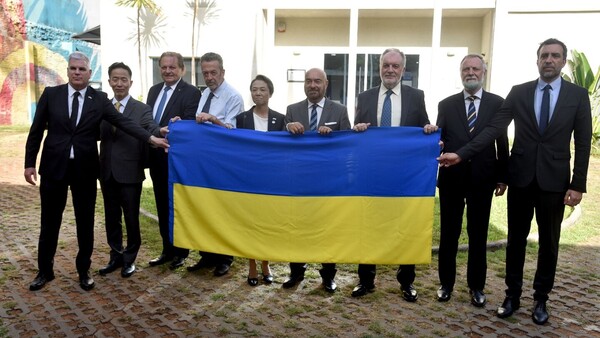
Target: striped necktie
x,y
472,113
313,117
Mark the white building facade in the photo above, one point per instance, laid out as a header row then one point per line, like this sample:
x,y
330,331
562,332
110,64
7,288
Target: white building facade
x,y
282,39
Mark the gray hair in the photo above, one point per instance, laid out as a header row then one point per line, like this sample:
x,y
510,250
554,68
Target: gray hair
x,y
80,56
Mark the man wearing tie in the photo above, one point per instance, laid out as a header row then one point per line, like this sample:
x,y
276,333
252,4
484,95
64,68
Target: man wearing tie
x,y
315,113
173,97
390,104
547,112
122,161
220,104
462,116
71,113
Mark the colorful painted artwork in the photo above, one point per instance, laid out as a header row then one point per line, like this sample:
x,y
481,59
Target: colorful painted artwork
x,y
36,39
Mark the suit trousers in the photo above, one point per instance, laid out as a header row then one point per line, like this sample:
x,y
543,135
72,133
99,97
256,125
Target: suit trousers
x,y
159,172
122,199
298,269
405,274
452,204
549,211
53,195
216,259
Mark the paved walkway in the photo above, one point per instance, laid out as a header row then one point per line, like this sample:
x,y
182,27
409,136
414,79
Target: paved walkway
x,y
158,302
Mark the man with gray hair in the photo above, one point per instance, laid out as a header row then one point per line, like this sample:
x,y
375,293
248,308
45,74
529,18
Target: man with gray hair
x,y
71,113
461,117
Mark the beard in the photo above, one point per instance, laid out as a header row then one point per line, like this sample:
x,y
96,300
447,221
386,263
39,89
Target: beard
x,y
472,85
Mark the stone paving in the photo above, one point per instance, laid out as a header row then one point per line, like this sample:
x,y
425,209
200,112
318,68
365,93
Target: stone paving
x,y
158,302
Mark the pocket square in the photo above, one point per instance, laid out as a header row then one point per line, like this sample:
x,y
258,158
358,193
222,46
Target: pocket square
x,y
330,123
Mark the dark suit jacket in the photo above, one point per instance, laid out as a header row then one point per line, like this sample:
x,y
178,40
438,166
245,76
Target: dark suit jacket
x,y
52,113
545,157
488,167
122,156
413,112
334,115
183,102
276,120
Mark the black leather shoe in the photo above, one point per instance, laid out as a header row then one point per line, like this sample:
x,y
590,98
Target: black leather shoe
x,y
252,281
221,270
267,279
509,306
478,298
110,267
444,294
409,293
201,264
292,281
86,282
329,285
160,260
176,262
40,280
361,290
127,270
540,313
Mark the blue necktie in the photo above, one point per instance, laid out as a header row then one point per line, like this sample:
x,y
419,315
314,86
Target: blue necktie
x,y
545,109
206,107
161,105
313,117
386,111
472,113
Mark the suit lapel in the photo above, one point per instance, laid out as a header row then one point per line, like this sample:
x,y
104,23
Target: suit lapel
x,y
461,112
88,102
529,101
562,98
171,102
129,107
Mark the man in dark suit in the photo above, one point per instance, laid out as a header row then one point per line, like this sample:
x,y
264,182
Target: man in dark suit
x,y
389,105
72,114
462,116
173,97
122,161
546,112
315,113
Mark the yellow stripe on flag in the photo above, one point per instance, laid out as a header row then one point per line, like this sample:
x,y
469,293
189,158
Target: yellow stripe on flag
x,y
304,229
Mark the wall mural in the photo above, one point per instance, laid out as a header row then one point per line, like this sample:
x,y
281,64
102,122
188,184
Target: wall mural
x,y
35,37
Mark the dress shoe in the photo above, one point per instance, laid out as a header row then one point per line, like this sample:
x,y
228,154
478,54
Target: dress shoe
x,y
509,306
268,279
292,281
329,285
409,293
40,280
444,294
160,260
362,289
252,281
201,264
221,270
477,298
127,270
176,262
86,282
110,267
540,313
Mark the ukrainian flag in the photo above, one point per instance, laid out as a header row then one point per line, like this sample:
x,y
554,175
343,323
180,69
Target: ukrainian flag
x,y
347,197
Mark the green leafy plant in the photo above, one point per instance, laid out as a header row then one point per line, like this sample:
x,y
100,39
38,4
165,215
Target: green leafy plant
x,y
583,75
